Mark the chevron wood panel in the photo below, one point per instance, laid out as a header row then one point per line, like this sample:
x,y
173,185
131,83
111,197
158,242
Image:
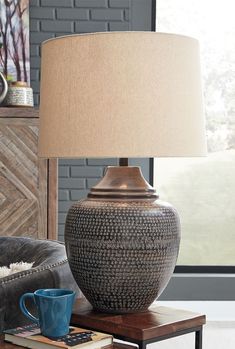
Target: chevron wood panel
x,y
23,179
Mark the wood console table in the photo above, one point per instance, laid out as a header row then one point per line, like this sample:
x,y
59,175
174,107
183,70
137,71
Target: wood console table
x,y
156,324
28,184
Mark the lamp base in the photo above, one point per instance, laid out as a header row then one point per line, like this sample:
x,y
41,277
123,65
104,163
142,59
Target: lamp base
x,y
122,242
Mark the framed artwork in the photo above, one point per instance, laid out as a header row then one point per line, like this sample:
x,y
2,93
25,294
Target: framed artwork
x,y
14,40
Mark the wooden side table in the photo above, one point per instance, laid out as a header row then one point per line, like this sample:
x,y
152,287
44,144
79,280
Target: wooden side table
x,y
156,324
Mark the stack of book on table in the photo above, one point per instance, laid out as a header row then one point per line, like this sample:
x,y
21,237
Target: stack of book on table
x,y
29,336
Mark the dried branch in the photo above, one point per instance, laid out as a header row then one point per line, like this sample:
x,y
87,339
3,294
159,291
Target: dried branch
x,y
23,38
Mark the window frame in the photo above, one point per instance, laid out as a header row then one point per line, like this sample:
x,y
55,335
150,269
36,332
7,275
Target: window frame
x,y
187,269
194,269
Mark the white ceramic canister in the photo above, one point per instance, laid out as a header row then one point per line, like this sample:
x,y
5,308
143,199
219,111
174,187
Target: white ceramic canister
x,y
19,95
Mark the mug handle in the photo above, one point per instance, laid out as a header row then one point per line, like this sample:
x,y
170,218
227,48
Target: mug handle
x,y
24,309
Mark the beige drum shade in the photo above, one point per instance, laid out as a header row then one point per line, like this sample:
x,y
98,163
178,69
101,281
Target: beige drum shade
x,y
129,94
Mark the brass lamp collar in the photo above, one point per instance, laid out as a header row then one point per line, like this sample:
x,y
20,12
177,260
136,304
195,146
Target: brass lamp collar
x,y
123,182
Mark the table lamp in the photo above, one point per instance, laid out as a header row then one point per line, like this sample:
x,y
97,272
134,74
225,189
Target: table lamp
x,y
121,94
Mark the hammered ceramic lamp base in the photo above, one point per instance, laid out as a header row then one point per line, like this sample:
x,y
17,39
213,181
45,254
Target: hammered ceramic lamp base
x,y
122,242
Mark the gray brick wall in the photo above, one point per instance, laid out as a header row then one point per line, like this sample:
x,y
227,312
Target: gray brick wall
x,y
52,18
80,176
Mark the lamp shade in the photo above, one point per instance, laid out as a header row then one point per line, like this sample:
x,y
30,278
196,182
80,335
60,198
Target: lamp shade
x,y
129,94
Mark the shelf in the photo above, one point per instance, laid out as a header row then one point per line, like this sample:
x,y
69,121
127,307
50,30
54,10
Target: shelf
x,y
18,112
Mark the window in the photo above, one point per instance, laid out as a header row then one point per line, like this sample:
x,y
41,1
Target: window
x,y
203,189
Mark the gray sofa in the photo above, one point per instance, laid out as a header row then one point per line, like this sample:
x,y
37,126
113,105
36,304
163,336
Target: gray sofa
x,y
50,270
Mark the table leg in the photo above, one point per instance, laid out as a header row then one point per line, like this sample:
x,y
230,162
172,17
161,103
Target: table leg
x,y
198,339
142,345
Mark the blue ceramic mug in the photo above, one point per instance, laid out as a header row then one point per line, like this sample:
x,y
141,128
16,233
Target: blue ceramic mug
x,y
54,307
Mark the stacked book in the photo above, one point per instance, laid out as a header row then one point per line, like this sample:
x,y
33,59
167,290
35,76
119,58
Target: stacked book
x,y
29,336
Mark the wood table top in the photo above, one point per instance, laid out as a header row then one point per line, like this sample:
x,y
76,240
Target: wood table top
x,y
155,322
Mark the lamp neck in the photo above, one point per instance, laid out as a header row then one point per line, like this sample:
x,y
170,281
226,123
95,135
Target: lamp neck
x,y
123,161
123,182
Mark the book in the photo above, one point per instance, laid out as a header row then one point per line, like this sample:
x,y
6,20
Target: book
x,y
29,336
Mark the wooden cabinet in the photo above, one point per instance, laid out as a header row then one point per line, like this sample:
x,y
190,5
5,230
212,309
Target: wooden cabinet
x,y
28,185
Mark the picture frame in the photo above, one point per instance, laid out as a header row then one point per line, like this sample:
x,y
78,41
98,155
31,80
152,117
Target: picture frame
x,y
14,40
